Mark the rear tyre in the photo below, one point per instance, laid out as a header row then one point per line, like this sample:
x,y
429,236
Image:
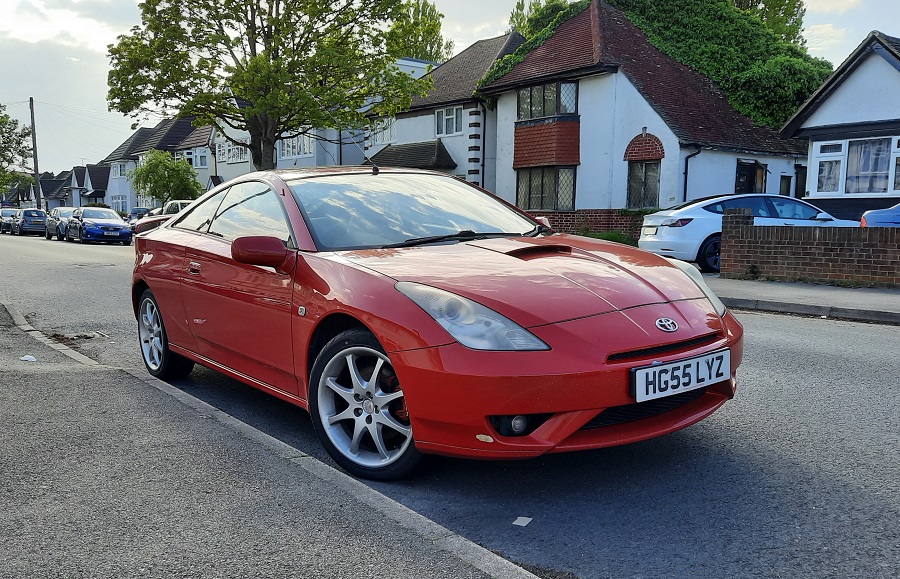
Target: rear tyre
x,y
159,360
708,256
81,238
359,410
60,236
47,234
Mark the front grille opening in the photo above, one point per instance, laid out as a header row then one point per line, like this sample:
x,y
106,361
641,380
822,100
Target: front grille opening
x,y
664,349
631,412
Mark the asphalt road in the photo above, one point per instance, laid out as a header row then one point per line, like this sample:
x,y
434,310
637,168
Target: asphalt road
x,y
798,476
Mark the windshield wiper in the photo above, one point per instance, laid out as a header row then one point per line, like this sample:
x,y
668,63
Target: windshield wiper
x,y
464,235
539,229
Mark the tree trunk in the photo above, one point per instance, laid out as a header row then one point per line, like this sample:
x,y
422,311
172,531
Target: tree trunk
x,y
262,152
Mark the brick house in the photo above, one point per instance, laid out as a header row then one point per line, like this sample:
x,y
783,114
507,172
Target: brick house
x,y
853,126
596,120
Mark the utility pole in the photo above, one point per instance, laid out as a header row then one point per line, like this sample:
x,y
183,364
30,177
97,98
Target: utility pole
x,y
37,174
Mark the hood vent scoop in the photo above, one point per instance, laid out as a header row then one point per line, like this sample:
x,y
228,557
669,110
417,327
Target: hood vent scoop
x,y
537,251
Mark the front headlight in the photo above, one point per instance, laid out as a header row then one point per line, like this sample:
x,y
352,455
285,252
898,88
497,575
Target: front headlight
x,y
695,275
88,224
470,323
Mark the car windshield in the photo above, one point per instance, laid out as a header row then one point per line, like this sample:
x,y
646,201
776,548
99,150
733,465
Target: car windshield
x,y
100,214
367,211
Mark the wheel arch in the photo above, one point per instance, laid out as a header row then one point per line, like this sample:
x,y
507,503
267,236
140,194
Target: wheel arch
x,y
329,327
137,290
705,239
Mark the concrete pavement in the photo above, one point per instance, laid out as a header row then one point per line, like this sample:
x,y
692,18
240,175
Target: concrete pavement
x,y
878,305
107,473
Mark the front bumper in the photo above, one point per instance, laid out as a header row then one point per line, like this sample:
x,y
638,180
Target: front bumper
x,y
451,391
100,235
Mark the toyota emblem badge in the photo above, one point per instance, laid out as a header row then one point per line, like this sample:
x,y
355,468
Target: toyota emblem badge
x,y
666,324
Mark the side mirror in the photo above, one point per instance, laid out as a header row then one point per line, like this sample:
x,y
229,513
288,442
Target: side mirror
x,y
259,250
823,217
544,220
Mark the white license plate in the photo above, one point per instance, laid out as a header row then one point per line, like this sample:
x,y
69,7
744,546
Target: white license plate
x,y
37,221
649,231
661,380
116,233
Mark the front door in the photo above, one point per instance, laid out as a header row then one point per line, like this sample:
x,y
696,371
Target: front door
x,y
240,314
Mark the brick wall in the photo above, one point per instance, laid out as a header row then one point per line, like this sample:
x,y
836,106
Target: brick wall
x,y
547,143
596,220
842,255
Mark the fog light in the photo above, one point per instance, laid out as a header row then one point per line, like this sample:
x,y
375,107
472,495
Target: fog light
x,y
518,425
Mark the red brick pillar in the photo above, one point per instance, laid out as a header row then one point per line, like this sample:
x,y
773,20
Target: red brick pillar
x,y
733,257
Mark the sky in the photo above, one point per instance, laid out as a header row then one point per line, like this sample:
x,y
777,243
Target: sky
x,y
54,51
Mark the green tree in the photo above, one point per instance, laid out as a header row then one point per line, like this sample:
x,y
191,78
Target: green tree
x,y
15,151
541,17
163,177
275,69
783,17
520,13
417,33
764,77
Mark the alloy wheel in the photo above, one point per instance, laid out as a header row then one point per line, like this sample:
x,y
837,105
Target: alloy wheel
x,y
362,408
150,330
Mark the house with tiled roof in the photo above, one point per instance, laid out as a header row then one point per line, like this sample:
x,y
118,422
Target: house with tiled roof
x,y
449,129
52,189
853,125
70,193
594,119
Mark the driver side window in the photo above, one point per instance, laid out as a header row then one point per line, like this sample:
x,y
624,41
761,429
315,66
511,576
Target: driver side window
x,y
251,208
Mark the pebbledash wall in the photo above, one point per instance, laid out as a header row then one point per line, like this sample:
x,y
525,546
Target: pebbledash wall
x,y
836,255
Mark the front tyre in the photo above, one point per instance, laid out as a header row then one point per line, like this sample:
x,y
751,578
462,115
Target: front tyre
x,y
708,256
159,360
358,408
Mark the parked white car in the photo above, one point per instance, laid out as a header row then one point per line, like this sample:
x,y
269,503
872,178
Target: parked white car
x,y
692,231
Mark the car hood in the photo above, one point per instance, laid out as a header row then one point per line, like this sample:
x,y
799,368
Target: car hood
x,y
537,281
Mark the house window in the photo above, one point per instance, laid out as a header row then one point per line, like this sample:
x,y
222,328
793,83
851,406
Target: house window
x,y
868,166
236,153
221,152
114,171
384,131
548,100
186,155
831,148
448,122
546,188
200,159
119,202
300,146
643,184
829,176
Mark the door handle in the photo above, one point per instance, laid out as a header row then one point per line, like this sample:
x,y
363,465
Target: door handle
x,y
194,268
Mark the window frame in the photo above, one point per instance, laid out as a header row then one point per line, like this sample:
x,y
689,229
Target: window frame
x,y
541,90
440,121
557,169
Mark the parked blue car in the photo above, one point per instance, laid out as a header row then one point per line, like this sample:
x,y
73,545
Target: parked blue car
x,y
97,224
29,221
889,217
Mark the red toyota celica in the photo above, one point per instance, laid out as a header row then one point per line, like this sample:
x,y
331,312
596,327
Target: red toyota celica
x,y
411,312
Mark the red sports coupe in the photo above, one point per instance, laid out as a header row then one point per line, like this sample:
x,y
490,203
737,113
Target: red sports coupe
x,y
411,312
